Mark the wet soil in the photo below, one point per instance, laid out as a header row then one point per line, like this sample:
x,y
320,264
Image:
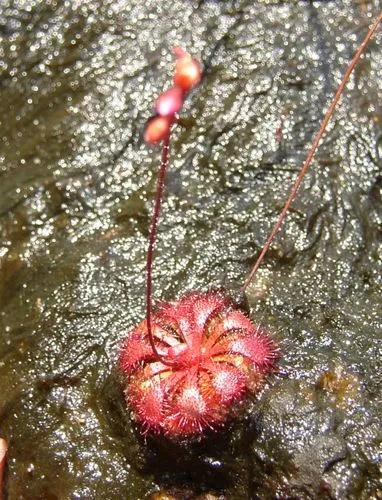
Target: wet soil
x,y
77,83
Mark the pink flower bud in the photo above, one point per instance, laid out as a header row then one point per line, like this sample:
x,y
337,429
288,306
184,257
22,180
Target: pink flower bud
x,y
188,73
157,129
169,102
179,52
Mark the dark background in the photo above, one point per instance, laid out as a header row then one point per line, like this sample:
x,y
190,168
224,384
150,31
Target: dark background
x,y
77,83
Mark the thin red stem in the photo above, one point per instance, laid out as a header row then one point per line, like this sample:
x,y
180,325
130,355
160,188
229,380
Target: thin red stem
x,y
312,151
3,453
152,240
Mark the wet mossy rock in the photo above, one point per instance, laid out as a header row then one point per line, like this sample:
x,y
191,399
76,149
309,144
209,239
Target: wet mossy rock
x,y
77,82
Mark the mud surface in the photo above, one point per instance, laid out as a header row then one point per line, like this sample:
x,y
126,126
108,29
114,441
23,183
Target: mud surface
x,y
77,82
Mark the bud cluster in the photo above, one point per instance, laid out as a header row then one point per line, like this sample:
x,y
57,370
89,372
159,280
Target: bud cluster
x,y
187,75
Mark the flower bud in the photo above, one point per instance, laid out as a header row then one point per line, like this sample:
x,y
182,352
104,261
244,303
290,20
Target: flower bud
x,y
169,102
188,73
157,129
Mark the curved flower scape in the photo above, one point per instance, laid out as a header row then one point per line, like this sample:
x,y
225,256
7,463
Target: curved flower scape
x,y
215,356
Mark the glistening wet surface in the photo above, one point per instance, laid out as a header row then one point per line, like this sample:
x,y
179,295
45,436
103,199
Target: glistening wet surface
x,y
77,81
